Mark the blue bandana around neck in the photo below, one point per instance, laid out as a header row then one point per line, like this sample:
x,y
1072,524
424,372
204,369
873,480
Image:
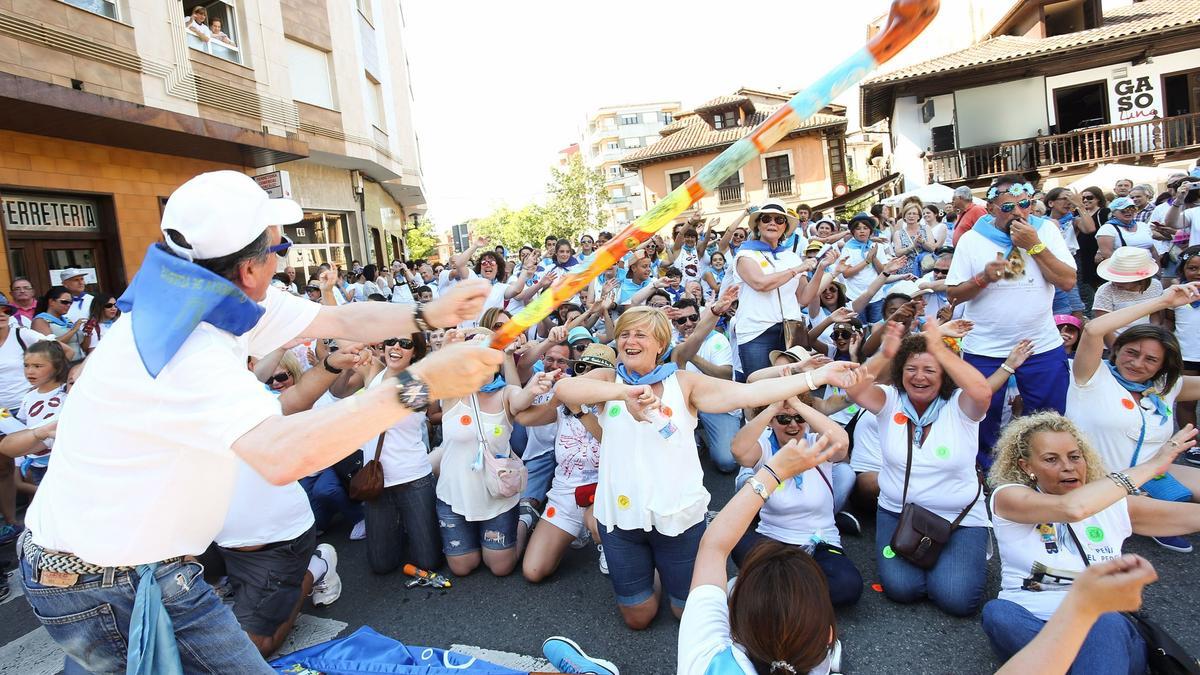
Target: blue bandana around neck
x,y
921,421
1145,389
1131,227
798,479
173,296
759,245
855,244
985,226
660,373
496,384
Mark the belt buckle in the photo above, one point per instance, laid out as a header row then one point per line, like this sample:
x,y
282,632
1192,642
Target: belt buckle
x,y
57,579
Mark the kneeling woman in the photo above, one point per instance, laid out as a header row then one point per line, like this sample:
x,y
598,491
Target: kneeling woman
x,y
650,499
1053,506
928,437
800,511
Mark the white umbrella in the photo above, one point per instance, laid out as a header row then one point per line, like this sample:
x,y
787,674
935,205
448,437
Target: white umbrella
x,y
934,193
1104,177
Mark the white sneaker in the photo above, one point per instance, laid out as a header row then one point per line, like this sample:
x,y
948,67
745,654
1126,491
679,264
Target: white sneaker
x,y
330,587
359,532
603,560
582,540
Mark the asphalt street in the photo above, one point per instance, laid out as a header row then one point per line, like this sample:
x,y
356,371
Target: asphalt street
x,y
512,615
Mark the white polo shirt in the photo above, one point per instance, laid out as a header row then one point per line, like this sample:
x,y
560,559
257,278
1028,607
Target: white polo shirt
x,y
143,467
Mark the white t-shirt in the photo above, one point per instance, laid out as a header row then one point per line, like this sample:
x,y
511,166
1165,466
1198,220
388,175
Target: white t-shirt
x,y
404,456
690,264
943,477
540,439
800,514
576,453
1190,220
1140,237
715,350
37,409
758,311
1187,330
704,637
80,309
13,384
866,456
1159,215
1009,309
1022,544
857,284
143,467
1113,420
262,513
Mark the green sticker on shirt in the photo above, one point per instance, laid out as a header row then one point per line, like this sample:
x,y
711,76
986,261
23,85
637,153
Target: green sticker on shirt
x,y
614,411
942,452
852,409
1094,534
888,552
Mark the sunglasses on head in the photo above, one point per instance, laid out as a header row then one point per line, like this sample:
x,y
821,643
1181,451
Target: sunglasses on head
x,y
788,419
766,218
1011,206
691,318
279,378
403,343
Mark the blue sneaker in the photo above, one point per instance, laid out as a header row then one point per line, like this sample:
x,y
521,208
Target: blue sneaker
x,y
9,533
1179,544
565,655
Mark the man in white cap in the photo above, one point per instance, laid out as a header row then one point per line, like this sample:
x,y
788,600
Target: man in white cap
x,y
75,281
145,453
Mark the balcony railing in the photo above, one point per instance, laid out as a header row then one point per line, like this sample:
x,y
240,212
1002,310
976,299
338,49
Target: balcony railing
x,y
729,194
1082,147
618,199
781,186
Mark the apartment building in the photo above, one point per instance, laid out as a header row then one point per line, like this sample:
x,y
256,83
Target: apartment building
x,y
807,165
611,133
109,105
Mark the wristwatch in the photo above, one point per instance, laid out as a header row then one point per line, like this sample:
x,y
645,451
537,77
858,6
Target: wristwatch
x,y
419,318
329,368
759,489
585,409
412,392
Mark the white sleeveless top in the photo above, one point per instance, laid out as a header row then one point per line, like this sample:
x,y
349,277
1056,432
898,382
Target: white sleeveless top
x,y
648,482
459,485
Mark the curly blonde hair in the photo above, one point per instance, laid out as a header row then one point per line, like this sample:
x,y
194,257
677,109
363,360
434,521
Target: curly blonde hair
x,y
1016,442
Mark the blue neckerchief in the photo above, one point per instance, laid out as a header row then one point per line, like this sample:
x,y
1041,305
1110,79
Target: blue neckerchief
x,y
689,249
152,647
660,373
60,321
798,480
1131,227
172,297
1145,389
985,227
496,384
719,275
759,245
724,663
921,421
857,245
78,299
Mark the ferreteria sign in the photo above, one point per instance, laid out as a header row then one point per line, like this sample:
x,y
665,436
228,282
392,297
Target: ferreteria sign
x,y
50,213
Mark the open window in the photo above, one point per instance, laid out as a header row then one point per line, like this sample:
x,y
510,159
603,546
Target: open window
x,y
1081,106
212,27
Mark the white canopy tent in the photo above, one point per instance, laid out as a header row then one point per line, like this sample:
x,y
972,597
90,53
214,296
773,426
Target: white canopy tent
x,y
934,193
1104,177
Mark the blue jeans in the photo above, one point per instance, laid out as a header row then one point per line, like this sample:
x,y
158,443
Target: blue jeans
x,y
1067,302
634,555
955,583
756,354
402,526
90,620
1113,645
328,498
843,484
719,430
461,536
541,474
1042,380
843,578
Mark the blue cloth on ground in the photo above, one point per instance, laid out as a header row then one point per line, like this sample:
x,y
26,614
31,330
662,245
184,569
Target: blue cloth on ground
x,y
366,651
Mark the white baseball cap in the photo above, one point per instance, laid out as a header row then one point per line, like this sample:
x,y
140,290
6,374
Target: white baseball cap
x,y
908,288
221,212
71,273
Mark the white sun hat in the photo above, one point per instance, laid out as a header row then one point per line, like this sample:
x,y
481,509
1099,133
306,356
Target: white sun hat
x,y
1128,263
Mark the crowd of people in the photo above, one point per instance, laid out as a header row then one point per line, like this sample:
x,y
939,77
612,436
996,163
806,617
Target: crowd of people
x,y
1023,366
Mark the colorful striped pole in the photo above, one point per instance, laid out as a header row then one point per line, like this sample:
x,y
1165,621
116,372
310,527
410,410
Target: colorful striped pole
x,y
906,20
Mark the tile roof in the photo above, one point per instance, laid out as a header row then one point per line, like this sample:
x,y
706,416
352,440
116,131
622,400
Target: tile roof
x,y
696,134
722,101
1134,20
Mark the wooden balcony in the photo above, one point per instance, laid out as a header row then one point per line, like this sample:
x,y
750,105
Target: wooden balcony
x,y
781,186
730,194
1154,140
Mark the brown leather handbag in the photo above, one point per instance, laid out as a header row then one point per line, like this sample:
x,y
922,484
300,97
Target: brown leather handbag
x,y
367,484
921,534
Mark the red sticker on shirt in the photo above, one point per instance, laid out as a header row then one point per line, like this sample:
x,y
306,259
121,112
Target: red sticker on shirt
x,y
550,511
666,411
900,418
1129,405
466,420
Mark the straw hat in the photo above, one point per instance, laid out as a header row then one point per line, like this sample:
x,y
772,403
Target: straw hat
x,y
794,354
1128,263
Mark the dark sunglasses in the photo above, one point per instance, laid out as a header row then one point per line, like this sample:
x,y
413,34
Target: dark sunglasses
x,y
940,273
62,301
1088,198
280,378
841,334
766,218
1009,207
581,367
403,343
281,248
788,419
580,346
691,318
109,305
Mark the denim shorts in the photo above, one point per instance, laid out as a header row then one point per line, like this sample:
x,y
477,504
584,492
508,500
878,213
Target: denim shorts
x,y
461,536
634,555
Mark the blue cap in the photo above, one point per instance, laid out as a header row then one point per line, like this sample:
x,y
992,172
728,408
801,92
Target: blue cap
x,y
579,333
1121,203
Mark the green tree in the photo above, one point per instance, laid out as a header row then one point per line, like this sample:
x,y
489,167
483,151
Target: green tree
x,y
420,241
576,197
513,229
